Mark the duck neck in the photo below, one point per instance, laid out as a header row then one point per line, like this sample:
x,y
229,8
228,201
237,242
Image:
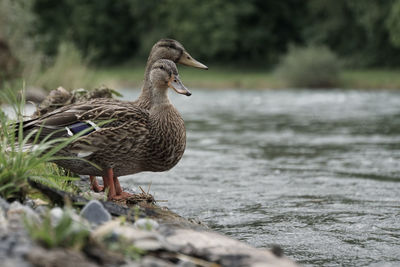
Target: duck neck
x,y
160,97
145,96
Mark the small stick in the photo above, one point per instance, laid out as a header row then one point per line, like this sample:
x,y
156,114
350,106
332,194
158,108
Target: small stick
x,y
148,190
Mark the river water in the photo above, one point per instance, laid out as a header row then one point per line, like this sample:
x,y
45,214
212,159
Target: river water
x,y
315,172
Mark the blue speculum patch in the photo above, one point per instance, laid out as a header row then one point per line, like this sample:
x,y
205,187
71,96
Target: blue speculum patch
x,y
80,126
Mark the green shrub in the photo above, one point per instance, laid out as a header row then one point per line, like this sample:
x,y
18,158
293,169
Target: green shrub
x,y
313,66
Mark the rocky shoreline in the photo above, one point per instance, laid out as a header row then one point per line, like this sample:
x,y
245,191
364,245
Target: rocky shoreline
x,y
142,234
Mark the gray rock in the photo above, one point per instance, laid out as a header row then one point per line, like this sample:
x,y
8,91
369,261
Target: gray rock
x,y
95,213
14,245
58,258
224,250
42,210
3,222
15,262
133,234
23,247
4,204
148,244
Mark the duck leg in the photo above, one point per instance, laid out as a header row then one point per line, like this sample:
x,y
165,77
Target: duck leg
x,y
118,189
94,184
109,183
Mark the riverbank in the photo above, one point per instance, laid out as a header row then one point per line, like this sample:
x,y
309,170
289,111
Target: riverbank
x,y
224,78
86,232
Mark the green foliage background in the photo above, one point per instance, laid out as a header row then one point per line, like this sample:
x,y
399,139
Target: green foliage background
x,y
255,32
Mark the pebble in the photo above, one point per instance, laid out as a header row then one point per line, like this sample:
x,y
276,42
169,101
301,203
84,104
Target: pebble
x,y
42,210
55,215
154,262
3,222
29,203
16,214
4,204
95,213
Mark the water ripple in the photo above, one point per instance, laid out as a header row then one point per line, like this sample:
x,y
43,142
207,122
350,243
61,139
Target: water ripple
x,y
316,172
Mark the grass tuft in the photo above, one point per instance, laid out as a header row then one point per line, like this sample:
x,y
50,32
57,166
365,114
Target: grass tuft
x,y
23,156
65,233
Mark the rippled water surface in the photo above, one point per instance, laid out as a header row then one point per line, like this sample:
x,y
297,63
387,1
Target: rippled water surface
x,y
316,172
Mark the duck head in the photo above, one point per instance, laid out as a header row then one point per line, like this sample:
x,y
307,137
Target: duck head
x,y
173,50
164,75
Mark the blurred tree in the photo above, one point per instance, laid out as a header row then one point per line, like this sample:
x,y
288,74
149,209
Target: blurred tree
x,y
51,24
267,28
104,30
207,28
256,32
393,24
221,30
355,30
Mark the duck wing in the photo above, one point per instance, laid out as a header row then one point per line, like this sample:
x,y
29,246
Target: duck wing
x,y
73,119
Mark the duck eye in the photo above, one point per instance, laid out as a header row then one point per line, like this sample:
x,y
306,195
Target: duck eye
x,y
175,80
188,57
161,67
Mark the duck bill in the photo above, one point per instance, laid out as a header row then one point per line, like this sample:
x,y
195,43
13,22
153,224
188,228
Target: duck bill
x,y
188,60
176,84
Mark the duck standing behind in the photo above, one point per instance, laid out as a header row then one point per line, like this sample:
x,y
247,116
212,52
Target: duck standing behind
x,y
163,49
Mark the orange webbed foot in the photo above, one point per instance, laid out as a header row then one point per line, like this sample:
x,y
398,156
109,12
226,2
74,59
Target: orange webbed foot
x,y
94,185
122,196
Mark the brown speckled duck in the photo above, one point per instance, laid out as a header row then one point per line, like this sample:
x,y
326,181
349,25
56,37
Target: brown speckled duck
x,y
133,140
163,49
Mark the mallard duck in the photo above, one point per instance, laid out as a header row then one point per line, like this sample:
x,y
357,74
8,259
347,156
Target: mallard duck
x,y
163,49
135,140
